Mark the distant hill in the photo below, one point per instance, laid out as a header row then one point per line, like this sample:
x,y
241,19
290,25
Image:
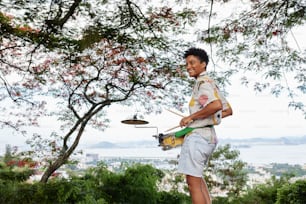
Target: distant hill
x,y
234,142
132,144
270,141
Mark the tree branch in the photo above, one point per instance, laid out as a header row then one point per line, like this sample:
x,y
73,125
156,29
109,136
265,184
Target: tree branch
x,y
57,23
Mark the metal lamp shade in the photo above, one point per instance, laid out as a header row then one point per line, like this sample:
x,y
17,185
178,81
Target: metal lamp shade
x,y
134,121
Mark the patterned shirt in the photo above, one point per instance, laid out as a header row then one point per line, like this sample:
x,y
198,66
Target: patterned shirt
x,y
204,92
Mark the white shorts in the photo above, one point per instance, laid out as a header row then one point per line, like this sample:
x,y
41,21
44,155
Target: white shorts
x,y
194,155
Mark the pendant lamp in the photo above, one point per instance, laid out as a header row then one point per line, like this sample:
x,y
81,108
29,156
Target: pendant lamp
x,y
134,121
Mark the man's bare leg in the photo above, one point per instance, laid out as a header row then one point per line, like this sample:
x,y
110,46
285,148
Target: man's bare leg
x,y
198,190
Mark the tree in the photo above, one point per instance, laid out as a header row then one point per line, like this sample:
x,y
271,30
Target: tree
x,y
136,184
226,172
292,193
265,192
8,154
80,58
261,40
88,55
15,167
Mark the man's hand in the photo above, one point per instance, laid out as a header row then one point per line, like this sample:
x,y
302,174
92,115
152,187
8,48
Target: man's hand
x,y
185,121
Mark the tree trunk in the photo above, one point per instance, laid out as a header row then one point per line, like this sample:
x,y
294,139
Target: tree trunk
x,y
52,168
64,156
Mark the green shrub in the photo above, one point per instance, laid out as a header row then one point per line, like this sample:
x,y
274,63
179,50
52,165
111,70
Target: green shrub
x,y
138,184
173,197
60,191
261,193
15,175
292,193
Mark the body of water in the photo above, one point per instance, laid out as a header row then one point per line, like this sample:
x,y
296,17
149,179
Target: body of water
x,y
265,154
255,154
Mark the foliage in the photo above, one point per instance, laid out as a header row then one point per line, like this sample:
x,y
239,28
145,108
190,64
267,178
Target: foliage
x,y
292,193
135,185
72,59
226,172
7,174
173,197
263,193
60,191
8,153
14,167
174,181
261,40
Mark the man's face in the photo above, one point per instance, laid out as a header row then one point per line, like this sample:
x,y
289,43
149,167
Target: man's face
x,y
194,66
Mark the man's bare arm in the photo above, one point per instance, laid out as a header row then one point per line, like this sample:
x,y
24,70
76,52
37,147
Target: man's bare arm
x,y
207,111
227,112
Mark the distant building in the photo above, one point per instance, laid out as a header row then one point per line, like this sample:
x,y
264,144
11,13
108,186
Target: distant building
x,y
91,158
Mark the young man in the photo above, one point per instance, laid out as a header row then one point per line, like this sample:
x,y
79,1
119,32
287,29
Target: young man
x,y
207,106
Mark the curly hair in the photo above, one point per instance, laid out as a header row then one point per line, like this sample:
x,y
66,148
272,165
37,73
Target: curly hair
x,y
200,53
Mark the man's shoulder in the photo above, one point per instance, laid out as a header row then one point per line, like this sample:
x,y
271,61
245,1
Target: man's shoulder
x,y
205,79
